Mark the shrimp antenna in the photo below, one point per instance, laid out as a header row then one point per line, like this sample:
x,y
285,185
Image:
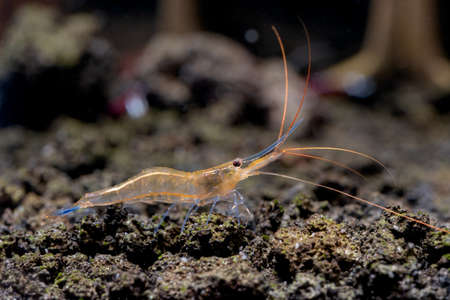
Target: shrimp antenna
x,y
308,76
305,89
356,198
333,162
343,150
286,80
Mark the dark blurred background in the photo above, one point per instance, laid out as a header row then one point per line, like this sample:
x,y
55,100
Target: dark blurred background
x,y
109,47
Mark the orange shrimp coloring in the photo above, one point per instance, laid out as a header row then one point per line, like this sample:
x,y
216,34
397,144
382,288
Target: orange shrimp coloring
x,y
209,186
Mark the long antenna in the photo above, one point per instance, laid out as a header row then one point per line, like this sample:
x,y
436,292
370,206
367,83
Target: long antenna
x,y
308,75
341,150
356,198
286,80
336,163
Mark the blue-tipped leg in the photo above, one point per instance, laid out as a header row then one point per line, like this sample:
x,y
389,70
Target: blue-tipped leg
x,y
163,217
215,200
187,216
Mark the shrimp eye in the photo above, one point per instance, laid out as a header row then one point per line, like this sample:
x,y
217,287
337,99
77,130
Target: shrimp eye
x,y
237,162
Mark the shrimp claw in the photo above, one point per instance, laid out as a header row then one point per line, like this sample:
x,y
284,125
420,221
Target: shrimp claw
x,y
235,208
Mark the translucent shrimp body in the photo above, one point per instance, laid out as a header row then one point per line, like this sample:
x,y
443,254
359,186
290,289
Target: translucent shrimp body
x,y
154,185
166,185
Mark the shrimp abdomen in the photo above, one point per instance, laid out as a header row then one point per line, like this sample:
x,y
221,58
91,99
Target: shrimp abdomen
x,y
151,186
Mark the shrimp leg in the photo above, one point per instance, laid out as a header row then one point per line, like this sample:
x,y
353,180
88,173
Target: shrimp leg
x,y
188,214
163,217
215,200
235,206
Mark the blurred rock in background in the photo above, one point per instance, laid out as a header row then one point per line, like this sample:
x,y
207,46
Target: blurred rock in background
x,y
52,64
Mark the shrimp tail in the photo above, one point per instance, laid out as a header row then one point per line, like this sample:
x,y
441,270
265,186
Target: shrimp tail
x,y
66,211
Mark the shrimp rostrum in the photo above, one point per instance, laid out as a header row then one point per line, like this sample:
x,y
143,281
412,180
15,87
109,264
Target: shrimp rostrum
x,y
218,184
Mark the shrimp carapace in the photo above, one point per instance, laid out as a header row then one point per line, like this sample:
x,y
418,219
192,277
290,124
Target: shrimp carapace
x,y
218,184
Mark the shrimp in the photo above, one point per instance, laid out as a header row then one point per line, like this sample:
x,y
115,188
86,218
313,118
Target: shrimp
x,y
209,186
